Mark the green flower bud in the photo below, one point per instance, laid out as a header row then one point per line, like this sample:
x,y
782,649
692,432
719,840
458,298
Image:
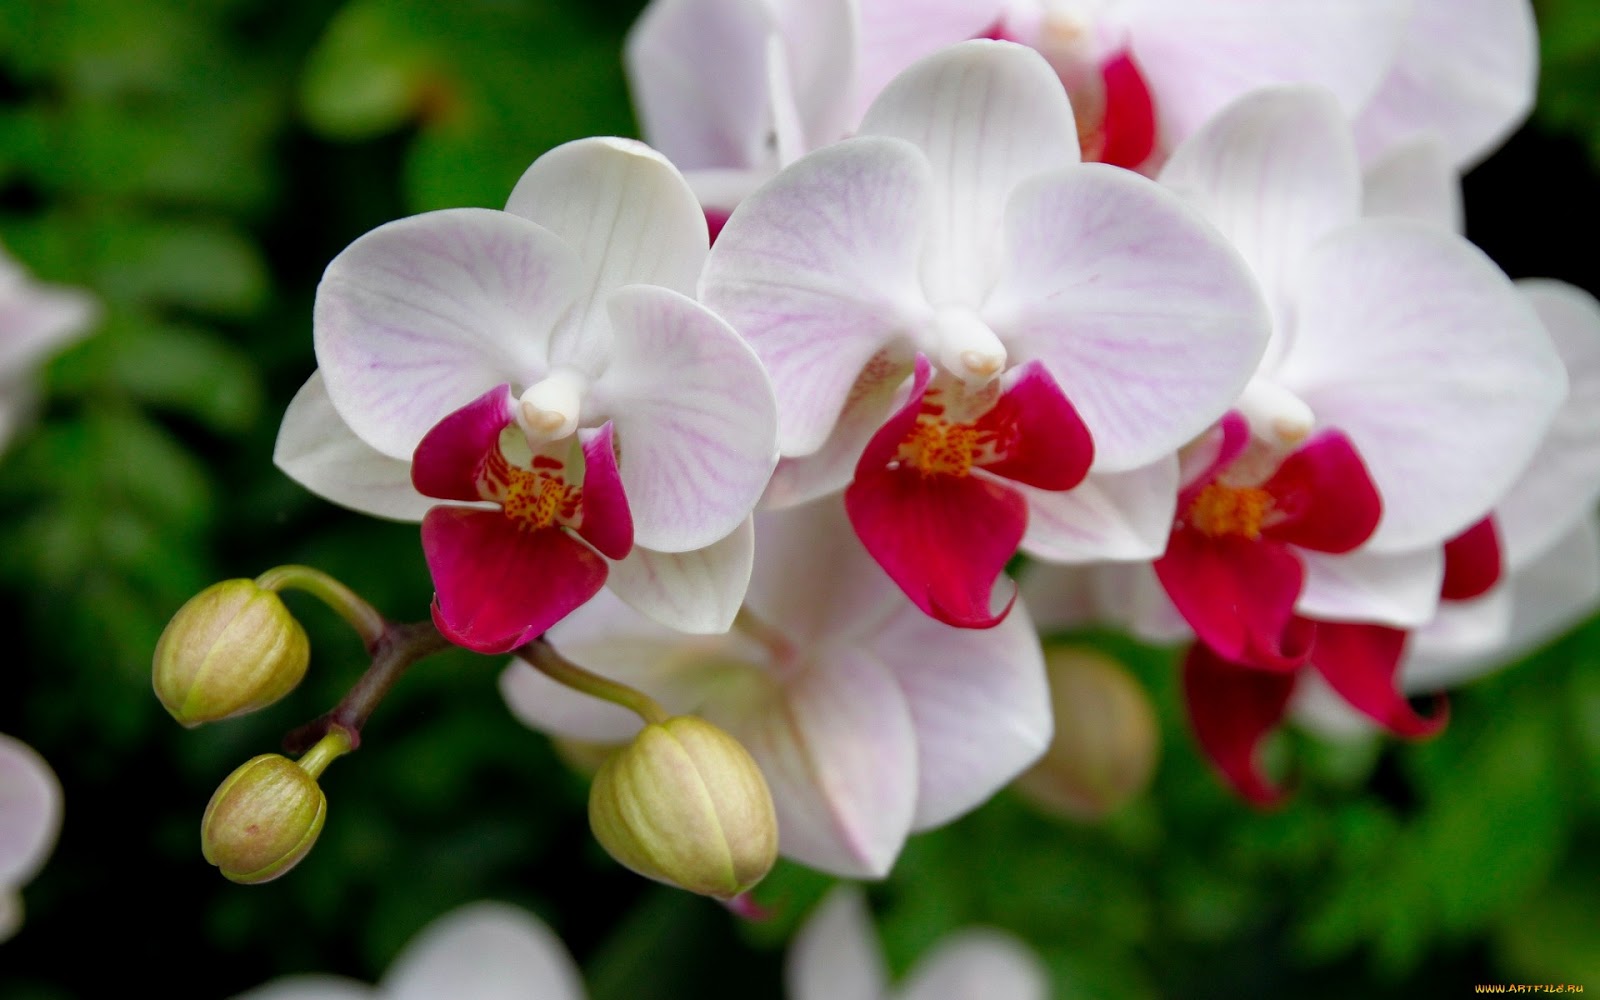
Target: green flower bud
x,y
262,820
685,804
233,648
1107,738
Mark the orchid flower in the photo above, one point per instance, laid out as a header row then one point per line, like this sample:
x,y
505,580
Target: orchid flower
x,y
1465,75
835,956
30,819
962,321
868,719
481,951
1146,74
544,372
734,90
35,322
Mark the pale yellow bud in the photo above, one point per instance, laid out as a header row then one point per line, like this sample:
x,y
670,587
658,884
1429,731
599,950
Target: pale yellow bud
x,y
233,648
1107,737
263,819
685,804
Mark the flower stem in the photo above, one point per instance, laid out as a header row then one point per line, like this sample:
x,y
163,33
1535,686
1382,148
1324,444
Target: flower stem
x,y
349,605
392,654
330,748
558,668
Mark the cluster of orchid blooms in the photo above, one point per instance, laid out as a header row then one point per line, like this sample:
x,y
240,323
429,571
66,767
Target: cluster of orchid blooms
x,y
1169,297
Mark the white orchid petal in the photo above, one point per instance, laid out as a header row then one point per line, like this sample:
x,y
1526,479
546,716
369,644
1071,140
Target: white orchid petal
x,y
878,392
38,320
30,812
422,315
895,34
698,76
310,987
1415,180
1460,630
697,592
979,701
1275,171
486,951
1145,316
835,954
1197,57
1132,594
822,49
818,271
1417,347
1466,71
1318,708
988,115
1396,589
838,749
319,451
816,581
694,415
1116,516
1060,597
1561,483
977,964
631,218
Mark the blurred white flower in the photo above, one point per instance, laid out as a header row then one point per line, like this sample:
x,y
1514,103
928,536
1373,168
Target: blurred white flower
x,y
30,819
36,320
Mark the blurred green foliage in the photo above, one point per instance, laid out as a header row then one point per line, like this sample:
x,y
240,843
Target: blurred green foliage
x,y
196,163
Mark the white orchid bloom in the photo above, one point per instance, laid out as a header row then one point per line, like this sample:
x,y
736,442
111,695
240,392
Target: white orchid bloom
x,y
481,951
869,720
36,321
545,372
1053,317
835,956
30,820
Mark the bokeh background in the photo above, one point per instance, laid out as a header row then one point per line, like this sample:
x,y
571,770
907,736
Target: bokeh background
x,y
196,163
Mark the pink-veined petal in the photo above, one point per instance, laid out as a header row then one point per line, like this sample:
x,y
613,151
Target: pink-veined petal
x,y
1360,662
421,315
698,592
1417,347
1199,56
1414,180
1129,131
988,116
486,951
895,34
497,586
1465,72
319,451
1232,709
695,417
830,468
450,455
1238,595
1400,589
1275,171
817,270
835,955
606,522
977,964
821,43
1559,486
697,71
979,702
1109,516
30,812
838,749
631,218
1040,440
1323,498
1143,314
1472,562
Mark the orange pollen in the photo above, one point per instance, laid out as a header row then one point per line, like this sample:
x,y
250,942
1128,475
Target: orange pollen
x,y
535,500
1230,510
937,447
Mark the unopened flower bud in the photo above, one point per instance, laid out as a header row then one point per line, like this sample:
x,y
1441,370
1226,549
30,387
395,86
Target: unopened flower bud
x,y
685,804
1106,742
263,819
233,648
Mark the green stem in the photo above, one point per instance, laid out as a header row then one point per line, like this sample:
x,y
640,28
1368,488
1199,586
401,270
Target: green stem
x,y
330,748
392,654
563,671
363,617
